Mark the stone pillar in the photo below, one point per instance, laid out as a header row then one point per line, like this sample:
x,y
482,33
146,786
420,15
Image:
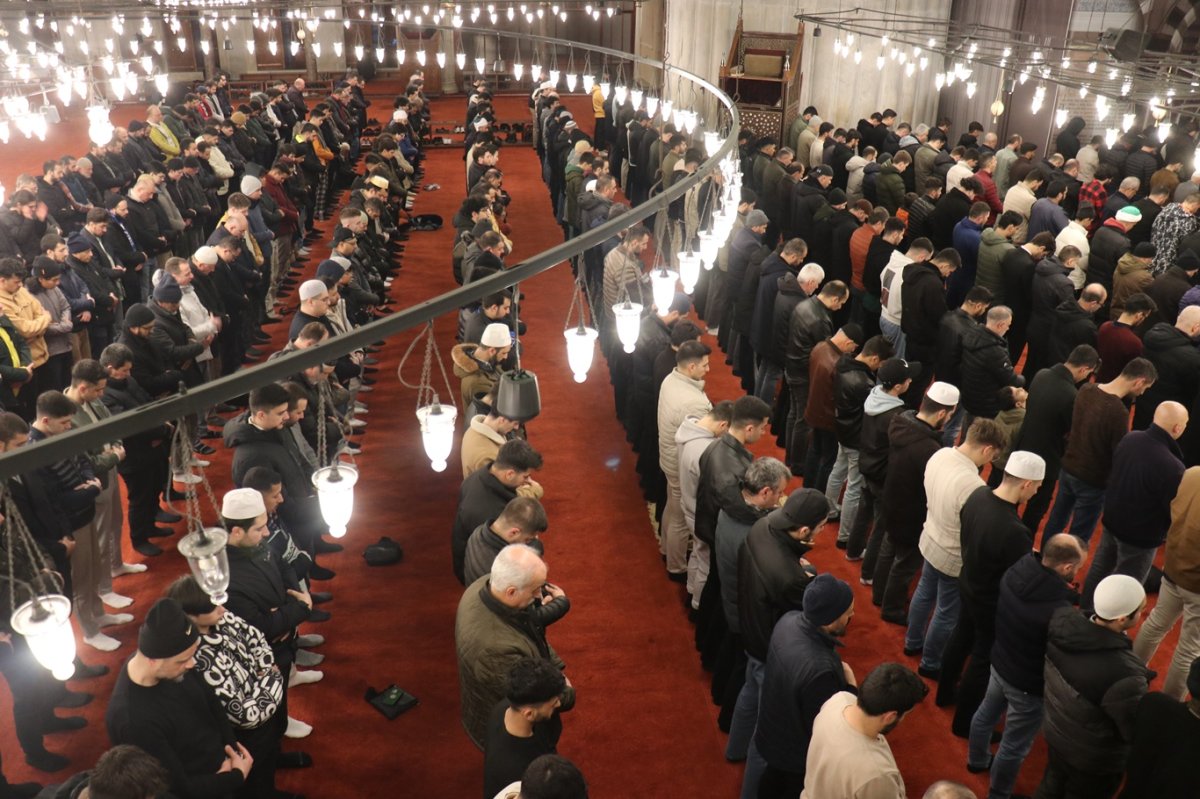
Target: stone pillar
x,y
450,71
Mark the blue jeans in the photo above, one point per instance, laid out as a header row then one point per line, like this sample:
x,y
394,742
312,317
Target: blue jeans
x,y
1022,719
953,428
845,470
745,712
766,381
1078,501
1114,556
936,594
894,334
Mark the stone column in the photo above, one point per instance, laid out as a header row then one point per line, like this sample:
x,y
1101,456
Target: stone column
x,y
450,71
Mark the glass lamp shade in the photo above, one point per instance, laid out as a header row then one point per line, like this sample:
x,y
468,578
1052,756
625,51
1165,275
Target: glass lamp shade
x,y
605,88
662,282
480,65
588,83
667,108
437,432
712,142
709,247
518,70
441,59
517,396
651,106
206,555
335,491
689,270
622,94
554,76
572,81
421,57
46,624
461,60
635,97
581,346
689,122
629,323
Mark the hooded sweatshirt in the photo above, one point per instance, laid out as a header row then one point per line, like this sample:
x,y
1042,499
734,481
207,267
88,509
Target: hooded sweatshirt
x,y
690,441
854,168
878,411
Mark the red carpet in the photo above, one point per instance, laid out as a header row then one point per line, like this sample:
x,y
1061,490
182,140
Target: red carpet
x,y
644,716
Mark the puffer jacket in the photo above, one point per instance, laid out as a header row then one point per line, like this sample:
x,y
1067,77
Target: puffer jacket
x,y
773,271
678,398
952,330
986,368
1051,288
771,582
1070,327
788,294
1093,685
988,273
1108,245
911,443
923,298
852,383
807,199
489,638
1029,595
810,323
873,443
889,188
1177,360
854,181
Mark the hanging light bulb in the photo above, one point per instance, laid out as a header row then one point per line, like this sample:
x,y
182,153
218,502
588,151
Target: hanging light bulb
x,y
5,132
437,432
480,65
970,89
294,47
651,105
605,89
668,107
629,321
205,551
997,107
880,60
1101,107
161,83
635,97
316,48
1083,90
400,55
572,81
335,492
689,122
1127,121
588,83
622,92
1060,117
554,76
358,52
689,270
379,55
421,57
709,247
45,623
662,283
518,70
272,47
1156,109
581,346
909,69
460,58
440,58
1110,136
858,56
205,46
939,80
117,84
250,46
1091,67
712,140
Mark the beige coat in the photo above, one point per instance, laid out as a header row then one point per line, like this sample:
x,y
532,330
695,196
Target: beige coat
x,y
679,398
30,319
1182,563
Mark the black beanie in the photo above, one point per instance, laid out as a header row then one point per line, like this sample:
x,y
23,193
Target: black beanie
x,y
166,631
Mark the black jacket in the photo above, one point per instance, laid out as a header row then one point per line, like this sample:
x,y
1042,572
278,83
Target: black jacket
x,y
722,466
143,225
803,670
923,298
1070,327
258,592
912,443
745,248
1048,413
993,538
1093,685
852,382
951,208
807,199
774,270
254,447
1167,290
1177,360
176,342
811,323
986,368
1142,165
952,330
837,230
1029,595
771,582
1051,288
1018,267
481,497
746,298
788,295
13,373
1146,471
1108,245
152,366
874,445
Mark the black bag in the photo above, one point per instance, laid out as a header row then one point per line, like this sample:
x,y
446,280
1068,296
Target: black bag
x,y
426,222
383,552
391,701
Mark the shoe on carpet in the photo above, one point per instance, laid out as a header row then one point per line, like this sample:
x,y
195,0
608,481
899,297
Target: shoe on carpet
x,y
102,642
320,597
186,478
979,769
305,677
358,423
308,659
115,600
200,462
853,558
912,653
74,699
146,548
202,449
129,568
113,619
294,759
839,543
890,619
206,433
309,640
47,761
161,532
319,615
325,547
167,517
867,581
86,672
65,723
677,577
317,572
929,674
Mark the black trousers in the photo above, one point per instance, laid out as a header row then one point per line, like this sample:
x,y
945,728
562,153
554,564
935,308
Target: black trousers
x,y
797,428
33,693
143,486
895,569
263,743
1061,780
779,784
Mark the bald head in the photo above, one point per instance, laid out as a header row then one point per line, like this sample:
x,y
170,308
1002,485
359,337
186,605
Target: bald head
x,y
1189,321
1172,417
945,789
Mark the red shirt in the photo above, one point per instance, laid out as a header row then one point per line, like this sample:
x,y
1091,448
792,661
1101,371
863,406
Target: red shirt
x,y
1117,344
